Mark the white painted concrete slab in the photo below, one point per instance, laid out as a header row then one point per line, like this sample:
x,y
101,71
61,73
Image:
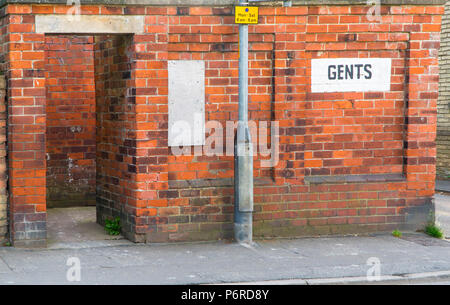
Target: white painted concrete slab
x,y
350,74
89,24
186,102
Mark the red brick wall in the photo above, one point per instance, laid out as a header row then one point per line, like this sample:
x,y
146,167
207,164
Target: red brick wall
x,y
321,134
356,132
70,110
349,163
25,61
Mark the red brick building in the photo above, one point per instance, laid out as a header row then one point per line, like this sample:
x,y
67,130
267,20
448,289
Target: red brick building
x,y
88,116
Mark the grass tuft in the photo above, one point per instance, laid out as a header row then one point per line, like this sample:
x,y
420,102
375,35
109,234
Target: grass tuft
x,y
396,233
434,231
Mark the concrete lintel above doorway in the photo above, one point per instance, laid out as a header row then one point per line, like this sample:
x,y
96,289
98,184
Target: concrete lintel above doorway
x,y
89,24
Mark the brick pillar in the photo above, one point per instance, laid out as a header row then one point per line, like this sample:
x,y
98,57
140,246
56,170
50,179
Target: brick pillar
x,y
421,114
26,131
3,170
151,126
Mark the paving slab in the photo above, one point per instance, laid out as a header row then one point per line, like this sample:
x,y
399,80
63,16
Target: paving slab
x,y
4,268
443,185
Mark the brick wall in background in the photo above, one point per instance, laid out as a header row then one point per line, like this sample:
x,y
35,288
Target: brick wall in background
x,y
443,123
383,176
70,136
3,165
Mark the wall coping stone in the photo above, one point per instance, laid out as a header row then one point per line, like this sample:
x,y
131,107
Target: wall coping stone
x,y
223,2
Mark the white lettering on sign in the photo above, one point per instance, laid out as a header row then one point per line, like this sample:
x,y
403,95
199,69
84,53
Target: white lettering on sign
x,y
350,74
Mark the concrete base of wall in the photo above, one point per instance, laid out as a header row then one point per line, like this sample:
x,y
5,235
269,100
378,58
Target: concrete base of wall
x,y
417,217
39,243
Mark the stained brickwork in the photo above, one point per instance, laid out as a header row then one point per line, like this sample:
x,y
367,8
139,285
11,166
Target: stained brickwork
x,y
71,130
443,125
3,164
116,150
349,162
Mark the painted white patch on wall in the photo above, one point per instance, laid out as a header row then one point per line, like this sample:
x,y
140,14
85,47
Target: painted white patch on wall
x,y
186,102
92,24
350,74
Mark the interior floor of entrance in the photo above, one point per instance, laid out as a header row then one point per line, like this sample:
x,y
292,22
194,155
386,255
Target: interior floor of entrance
x,y
88,83
75,225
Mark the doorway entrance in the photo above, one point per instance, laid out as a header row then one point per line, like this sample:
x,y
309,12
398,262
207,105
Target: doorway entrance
x,y
89,111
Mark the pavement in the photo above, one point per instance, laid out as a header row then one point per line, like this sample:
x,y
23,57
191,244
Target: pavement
x,y
307,260
75,240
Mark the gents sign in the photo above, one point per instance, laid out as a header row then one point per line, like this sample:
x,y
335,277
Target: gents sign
x,y
350,74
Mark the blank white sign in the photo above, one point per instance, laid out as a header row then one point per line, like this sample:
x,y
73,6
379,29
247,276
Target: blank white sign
x,y
186,102
350,74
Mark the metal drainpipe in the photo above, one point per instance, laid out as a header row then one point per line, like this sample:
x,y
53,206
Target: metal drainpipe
x,y
243,150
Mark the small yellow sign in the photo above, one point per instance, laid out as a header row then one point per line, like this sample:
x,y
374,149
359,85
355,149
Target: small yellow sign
x,y
246,14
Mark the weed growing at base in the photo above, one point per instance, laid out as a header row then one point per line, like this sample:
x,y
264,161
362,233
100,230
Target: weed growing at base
x,y
396,233
434,231
112,226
